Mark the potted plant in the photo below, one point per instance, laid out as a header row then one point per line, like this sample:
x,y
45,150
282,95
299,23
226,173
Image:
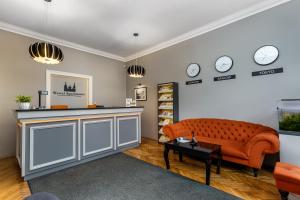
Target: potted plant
x,y
24,102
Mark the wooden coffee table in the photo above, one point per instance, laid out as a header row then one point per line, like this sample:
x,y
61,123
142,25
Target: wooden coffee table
x,y
202,151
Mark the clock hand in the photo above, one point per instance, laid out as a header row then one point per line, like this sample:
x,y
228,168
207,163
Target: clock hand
x,y
224,65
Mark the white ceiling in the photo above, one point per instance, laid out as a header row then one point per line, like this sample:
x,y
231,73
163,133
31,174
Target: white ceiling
x,y
105,27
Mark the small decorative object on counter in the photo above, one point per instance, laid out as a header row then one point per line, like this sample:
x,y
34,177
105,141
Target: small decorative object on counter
x,y
128,102
44,93
133,103
24,102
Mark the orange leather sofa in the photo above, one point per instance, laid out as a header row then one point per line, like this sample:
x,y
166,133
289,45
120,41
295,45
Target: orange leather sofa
x,y
241,142
287,179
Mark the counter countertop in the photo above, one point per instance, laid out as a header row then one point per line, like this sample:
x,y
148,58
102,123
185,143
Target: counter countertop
x,y
98,108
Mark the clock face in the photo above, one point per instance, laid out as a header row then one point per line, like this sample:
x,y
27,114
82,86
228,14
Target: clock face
x,y
224,64
266,55
193,70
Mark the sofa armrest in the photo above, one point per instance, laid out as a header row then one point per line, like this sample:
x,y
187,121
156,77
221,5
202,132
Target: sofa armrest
x,y
269,140
259,145
176,130
168,131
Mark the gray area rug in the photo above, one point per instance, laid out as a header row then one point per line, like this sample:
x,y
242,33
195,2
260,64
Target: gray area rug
x,y
121,177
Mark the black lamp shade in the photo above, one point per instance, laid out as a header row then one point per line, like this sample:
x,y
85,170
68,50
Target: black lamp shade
x,y
46,53
136,71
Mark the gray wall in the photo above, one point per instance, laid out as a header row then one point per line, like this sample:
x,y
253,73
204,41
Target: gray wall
x,y
20,75
247,98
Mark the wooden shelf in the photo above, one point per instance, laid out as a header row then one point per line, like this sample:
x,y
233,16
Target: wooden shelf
x,y
163,92
167,106
171,100
163,124
165,117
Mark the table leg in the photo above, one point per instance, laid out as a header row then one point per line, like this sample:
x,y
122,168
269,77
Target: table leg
x,y
180,156
166,157
208,167
219,162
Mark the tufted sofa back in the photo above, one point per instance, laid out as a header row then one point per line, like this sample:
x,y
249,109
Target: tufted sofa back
x,y
222,129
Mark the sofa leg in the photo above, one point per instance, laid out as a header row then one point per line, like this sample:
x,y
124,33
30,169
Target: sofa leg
x,y
255,172
284,195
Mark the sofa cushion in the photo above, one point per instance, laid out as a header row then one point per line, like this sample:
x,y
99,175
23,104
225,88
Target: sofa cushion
x,y
234,151
229,148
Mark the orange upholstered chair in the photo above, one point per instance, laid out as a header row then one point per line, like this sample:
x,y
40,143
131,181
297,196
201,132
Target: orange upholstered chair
x,y
241,142
59,107
287,179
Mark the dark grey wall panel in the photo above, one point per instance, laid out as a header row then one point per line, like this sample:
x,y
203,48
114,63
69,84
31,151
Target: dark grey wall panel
x,y
127,130
50,144
97,136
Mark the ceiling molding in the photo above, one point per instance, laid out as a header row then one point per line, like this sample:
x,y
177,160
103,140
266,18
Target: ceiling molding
x,y
39,36
265,5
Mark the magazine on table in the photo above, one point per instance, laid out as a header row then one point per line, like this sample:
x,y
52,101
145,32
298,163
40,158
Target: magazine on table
x,y
183,140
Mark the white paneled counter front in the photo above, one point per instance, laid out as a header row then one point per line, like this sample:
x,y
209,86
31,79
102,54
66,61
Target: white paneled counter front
x,y
51,140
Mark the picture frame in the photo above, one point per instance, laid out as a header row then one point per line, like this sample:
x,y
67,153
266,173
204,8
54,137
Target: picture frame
x,y
140,93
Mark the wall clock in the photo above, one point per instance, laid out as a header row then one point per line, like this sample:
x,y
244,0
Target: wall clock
x,y
193,70
266,55
224,64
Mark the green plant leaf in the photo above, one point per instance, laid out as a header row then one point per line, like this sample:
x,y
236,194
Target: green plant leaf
x,y
23,99
290,123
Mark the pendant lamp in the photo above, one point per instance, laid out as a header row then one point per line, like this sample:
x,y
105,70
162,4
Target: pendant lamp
x,y
44,52
136,71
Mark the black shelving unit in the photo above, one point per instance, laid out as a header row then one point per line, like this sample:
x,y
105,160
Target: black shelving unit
x,y
167,105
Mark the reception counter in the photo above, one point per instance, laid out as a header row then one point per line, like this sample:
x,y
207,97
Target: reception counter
x,y
51,140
